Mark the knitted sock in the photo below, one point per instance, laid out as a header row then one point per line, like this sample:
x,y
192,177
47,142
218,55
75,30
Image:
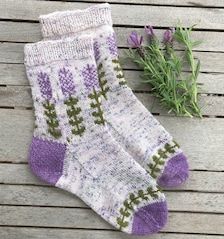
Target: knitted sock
x,y
132,125
72,148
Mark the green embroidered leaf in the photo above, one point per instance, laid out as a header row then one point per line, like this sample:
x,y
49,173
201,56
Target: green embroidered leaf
x,y
161,162
162,154
124,212
99,121
136,201
154,158
122,83
101,75
132,196
120,76
149,189
154,196
141,193
117,68
116,61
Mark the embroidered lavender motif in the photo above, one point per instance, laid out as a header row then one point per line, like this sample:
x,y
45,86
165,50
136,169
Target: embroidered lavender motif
x,y
66,81
91,82
96,49
101,73
73,110
45,85
50,112
112,45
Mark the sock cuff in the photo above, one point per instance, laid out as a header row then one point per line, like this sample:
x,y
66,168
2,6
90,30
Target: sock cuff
x,y
61,23
44,52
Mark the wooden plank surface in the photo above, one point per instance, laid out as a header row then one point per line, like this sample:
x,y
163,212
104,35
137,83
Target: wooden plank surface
x,y
56,233
21,32
67,218
29,208
122,14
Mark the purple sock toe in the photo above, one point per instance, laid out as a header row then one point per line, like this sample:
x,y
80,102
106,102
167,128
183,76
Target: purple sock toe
x,y
175,173
150,219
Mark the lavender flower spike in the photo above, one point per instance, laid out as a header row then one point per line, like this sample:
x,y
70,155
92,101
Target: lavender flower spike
x,y
168,37
45,85
134,40
150,32
89,74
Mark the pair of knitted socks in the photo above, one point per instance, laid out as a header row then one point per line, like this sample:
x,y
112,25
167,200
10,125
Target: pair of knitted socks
x,y
92,136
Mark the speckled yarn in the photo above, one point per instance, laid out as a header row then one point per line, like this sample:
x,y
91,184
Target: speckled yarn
x,y
131,124
72,147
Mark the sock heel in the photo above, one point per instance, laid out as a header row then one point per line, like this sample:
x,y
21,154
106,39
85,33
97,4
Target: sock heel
x,y
46,159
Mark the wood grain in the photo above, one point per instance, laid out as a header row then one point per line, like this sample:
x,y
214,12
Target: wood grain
x,y
21,32
67,218
56,233
122,14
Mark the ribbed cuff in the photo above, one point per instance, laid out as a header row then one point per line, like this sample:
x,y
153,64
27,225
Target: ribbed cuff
x,y
48,51
61,23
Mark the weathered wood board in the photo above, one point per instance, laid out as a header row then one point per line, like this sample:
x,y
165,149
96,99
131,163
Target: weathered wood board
x,y
29,208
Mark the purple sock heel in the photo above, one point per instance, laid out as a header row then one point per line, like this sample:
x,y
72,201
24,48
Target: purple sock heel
x,y
46,159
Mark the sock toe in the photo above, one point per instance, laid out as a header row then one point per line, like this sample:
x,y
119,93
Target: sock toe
x,y
150,219
175,172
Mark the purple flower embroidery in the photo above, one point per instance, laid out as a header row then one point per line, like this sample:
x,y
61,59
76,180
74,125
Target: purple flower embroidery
x,y
96,49
89,74
66,81
134,40
112,45
45,85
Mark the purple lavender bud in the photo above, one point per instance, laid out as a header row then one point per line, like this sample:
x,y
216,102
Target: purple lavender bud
x,y
134,40
89,74
168,37
150,32
45,85
96,49
66,81
112,45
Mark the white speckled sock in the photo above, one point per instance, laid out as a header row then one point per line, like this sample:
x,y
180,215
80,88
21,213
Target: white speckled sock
x,y
72,148
131,124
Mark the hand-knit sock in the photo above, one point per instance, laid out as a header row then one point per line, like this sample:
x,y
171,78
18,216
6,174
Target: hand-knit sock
x,y
71,147
132,125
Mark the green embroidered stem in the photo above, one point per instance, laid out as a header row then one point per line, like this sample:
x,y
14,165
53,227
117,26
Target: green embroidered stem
x,y
96,104
128,205
158,161
102,81
52,120
118,69
75,120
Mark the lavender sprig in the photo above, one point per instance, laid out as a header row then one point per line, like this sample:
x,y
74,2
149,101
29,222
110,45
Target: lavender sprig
x,y
163,68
